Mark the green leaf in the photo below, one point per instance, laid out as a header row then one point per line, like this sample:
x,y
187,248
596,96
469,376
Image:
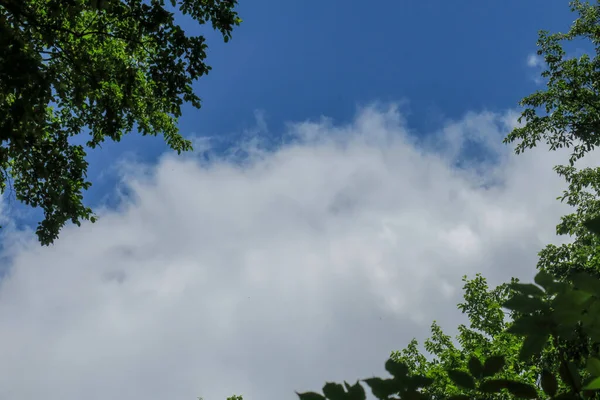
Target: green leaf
x,y
532,346
493,385
593,385
586,283
569,375
382,388
522,390
334,391
544,279
355,392
396,369
549,383
593,366
461,378
493,365
528,289
310,396
524,304
530,325
475,367
593,225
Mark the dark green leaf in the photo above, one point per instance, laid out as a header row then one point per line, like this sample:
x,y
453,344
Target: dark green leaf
x,y
310,396
586,282
524,304
522,390
532,346
527,289
382,388
544,279
569,375
396,369
334,391
593,366
475,367
549,383
593,225
459,397
493,365
355,392
461,378
493,385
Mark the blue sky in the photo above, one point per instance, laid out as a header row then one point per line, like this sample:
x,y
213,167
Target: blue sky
x,y
315,259
300,60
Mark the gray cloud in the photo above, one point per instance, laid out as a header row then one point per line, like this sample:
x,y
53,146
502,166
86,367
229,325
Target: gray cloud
x,y
307,264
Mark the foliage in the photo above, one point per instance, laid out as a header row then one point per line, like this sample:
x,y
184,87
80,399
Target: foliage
x,y
103,67
567,113
501,366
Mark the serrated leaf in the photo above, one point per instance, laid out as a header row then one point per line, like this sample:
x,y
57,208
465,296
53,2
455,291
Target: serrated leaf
x,y
310,396
593,385
522,390
549,383
532,346
593,366
334,391
461,379
493,365
475,367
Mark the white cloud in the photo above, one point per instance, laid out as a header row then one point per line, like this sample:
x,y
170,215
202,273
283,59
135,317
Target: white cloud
x,y
534,61
307,264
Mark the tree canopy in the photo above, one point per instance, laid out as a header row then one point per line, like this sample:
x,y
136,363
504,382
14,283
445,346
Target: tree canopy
x,y
97,67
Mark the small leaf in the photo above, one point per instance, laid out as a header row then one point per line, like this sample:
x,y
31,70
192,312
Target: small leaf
x,y
549,383
334,391
461,378
493,365
522,390
310,396
593,366
475,367
593,385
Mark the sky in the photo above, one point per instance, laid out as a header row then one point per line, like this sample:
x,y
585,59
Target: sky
x,y
348,171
